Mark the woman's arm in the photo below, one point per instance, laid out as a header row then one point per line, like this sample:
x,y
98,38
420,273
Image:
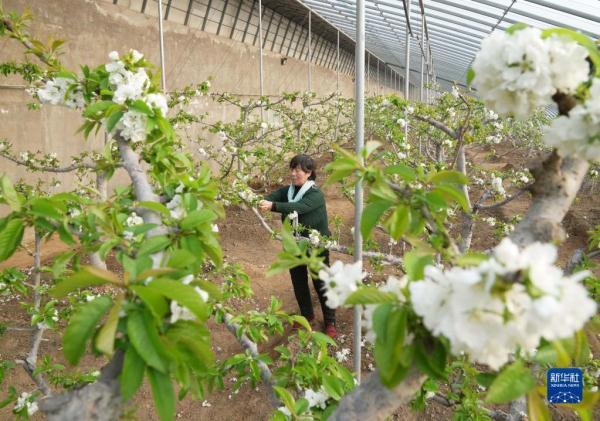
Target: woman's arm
x,y
312,200
278,195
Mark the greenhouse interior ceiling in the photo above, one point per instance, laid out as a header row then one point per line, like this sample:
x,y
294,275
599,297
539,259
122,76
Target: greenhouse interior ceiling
x,y
450,32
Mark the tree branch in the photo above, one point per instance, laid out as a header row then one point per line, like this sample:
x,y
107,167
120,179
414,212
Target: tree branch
x,y
252,348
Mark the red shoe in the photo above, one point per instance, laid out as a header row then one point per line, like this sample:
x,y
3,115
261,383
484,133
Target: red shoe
x,y
330,330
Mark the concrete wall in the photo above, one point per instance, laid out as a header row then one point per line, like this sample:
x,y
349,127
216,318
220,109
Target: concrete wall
x,y
92,28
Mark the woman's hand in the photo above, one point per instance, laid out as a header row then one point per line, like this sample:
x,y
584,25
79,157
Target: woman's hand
x,y
265,205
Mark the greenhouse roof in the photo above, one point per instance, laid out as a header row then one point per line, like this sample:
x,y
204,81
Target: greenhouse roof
x,y
453,29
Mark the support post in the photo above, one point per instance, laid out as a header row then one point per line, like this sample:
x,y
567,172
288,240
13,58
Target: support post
x,y
309,51
358,193
407,62
162,47
337,66
424,49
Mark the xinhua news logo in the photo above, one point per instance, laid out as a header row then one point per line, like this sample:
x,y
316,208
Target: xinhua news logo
x,y
565,385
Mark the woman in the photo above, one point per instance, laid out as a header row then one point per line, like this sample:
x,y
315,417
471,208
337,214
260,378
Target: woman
x,y
303,196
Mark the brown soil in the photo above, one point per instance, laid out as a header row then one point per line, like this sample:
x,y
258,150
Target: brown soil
x,y
246,242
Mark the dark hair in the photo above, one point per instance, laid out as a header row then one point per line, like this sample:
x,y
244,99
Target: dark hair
x,y
306,163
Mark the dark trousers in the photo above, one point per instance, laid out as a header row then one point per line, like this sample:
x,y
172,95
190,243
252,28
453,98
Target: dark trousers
x,y
299,276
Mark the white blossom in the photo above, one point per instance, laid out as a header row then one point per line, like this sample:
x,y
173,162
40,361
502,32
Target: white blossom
x,y
316,399
568,64
158,101
285,412
134,219
206,403
497,186
455,92
113,55
136,55
314,237
342,355
131,86
512,72
489,323
577,134
341,280
132,126
128,235
176,208
24,401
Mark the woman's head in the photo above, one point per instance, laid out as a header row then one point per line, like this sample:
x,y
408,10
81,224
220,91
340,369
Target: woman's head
x,y
302,168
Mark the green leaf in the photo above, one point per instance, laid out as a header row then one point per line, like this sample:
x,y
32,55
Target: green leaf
x,y
181,259
404,171
133,373
105,340
516,27
82,326
10,194
414,264
197,218
155,206
144,337
163,394
45,208
95,110
399,221
112,121
370,295
389,323
285,396
371,214
470,76
447,177
333,386
514,381
536,408
142,107
10,238
153,245
153,300
86,277
431,360
582,349
185,295
453,193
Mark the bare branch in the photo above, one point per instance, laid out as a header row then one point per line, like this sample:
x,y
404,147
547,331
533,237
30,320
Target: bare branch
x,y
438,125
66,169
371,400
252,348
557,182
518,193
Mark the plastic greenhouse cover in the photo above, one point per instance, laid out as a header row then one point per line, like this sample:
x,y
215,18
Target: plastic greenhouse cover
x,y
455,28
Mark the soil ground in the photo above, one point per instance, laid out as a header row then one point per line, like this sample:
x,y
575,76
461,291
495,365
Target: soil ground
x,y
246,242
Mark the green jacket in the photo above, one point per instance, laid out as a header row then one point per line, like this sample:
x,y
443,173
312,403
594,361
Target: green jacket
x,y
312,212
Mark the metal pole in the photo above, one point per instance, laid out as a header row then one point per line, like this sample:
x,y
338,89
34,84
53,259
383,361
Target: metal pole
x,y
407,61
368,71
162,47
309,50
377,76
422,57
358,193
260,60
337,66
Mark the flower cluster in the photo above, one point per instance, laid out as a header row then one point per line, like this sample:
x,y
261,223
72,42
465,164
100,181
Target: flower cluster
x,y
316,398
25,401
62,91
497,186
509,301
341,280
393,285
579,133
520,71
